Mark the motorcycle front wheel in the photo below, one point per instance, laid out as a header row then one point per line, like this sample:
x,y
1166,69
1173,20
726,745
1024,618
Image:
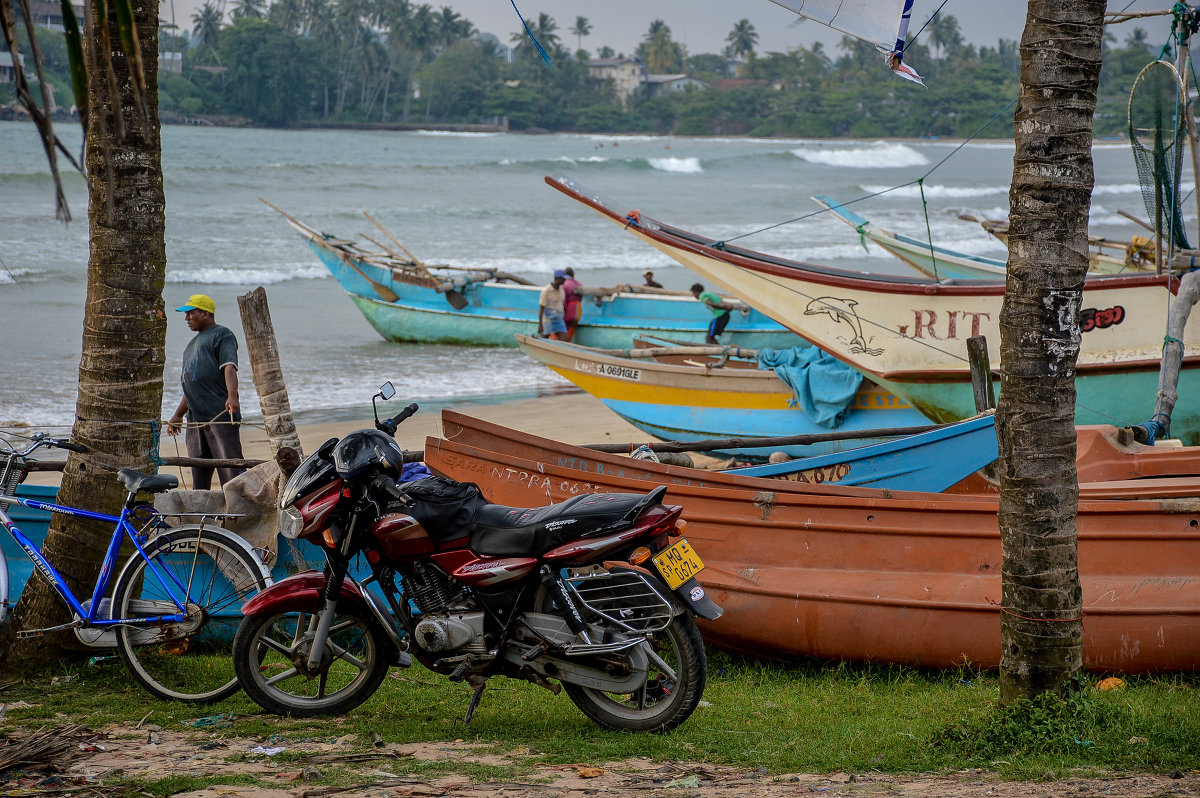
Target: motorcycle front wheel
x,y
271,651
672,690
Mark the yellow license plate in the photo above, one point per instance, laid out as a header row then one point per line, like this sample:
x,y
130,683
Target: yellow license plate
x,y
678,564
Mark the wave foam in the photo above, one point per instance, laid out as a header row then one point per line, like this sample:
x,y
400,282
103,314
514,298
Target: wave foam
x,y
957,192
13,276
685,166
220,276
875,156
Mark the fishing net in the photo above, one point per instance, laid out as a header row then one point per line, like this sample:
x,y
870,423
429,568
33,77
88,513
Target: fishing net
x,y
1158,135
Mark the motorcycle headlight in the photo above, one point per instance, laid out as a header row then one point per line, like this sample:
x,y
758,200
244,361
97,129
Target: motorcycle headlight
x,y
290,522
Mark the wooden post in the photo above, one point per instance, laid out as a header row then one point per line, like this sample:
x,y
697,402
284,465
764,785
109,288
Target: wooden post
x,y
981,373
263,352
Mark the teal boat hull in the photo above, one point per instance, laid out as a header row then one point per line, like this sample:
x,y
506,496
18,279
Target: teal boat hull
x,y
495,312
1119,398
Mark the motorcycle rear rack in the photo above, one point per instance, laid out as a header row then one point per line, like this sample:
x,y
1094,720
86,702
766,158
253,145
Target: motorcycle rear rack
x,y
592,649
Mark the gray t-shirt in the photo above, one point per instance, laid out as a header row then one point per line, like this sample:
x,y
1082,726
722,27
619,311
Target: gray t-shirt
x,y
202,378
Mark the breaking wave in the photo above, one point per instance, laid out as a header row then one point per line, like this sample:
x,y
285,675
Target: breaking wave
x,y
685,166
935,190
875,156
216,275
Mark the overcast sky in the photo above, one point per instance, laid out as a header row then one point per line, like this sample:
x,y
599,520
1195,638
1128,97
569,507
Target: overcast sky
x,y
703,24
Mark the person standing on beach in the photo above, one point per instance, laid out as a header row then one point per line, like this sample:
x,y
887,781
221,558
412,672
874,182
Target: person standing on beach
x,y
210,393
572,303
550,309
648,276
720,310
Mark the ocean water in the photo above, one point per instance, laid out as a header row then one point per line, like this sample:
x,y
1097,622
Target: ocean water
x,y
470,200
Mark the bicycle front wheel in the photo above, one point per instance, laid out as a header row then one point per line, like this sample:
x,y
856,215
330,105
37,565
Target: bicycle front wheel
x,y
213,574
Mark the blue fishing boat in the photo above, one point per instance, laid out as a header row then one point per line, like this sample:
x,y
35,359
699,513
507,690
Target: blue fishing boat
x,y
929,462
405,300
677,401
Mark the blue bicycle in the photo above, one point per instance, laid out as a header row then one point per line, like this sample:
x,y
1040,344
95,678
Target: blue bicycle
x,y
176,603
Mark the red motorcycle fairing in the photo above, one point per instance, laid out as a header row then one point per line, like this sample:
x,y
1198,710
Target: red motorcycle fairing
x,y
401,537
316,507
494,572
471,569
302,592
654,522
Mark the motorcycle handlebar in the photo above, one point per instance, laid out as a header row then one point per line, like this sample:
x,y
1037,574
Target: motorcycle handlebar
x,y
390,425
386,484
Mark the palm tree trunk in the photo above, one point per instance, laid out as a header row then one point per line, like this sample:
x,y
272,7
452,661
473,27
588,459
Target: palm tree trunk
x,y
1041,629
124,328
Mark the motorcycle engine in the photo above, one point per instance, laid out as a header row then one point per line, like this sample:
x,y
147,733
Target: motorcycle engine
x,y
450,620
463,632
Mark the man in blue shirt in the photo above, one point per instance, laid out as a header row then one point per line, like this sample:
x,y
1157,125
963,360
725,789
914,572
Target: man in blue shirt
x,y
210,393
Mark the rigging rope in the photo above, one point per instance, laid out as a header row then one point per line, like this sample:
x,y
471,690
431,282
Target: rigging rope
x,y
721,243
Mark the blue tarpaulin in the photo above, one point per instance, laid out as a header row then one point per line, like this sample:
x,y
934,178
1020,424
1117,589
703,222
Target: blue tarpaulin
x,y
823,386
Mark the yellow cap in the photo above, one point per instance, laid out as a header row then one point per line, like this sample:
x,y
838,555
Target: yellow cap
x,y
199,302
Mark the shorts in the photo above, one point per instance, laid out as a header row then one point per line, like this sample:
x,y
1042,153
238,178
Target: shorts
x,y
552,322
718,325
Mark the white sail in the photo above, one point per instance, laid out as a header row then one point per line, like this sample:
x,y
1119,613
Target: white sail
x,y
883,23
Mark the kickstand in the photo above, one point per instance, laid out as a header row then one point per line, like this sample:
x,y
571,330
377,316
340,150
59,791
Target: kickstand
x,y
478,682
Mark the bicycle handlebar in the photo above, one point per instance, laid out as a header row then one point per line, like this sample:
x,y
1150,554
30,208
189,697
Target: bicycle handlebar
x,y
40,440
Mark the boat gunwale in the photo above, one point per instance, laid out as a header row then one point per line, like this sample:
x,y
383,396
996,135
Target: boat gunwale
x,y
869,498
754,261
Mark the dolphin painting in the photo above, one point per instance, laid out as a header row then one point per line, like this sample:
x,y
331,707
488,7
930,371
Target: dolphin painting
x,y
842,312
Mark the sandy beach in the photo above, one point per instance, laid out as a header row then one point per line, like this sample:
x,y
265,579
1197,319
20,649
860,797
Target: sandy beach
x,y
569,417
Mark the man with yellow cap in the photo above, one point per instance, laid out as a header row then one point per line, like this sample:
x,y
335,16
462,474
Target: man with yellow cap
x,y
210,392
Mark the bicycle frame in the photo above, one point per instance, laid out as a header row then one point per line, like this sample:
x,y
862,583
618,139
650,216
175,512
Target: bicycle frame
x,y
89,617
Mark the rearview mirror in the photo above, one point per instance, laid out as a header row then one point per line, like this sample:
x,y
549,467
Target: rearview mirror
x,y
387,391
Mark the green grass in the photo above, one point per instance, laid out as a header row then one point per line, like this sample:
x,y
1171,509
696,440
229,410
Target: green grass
x,y
807,717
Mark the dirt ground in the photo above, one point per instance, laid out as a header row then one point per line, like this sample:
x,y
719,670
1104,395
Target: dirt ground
x,y
100,762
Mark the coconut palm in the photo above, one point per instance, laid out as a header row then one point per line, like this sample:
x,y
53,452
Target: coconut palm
x,y
206,25
254,9
944,33
658,51
124,327
581,28
1041,625
545,30
289,15
742,39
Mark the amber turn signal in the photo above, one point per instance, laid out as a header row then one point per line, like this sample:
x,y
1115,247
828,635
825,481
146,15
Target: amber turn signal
x,y
639,555
327,536
680,527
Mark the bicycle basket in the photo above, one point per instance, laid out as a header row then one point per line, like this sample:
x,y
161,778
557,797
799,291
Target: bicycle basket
x,y
12,476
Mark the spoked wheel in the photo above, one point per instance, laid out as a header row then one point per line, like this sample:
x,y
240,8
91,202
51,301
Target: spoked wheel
x,y
678,670
212,575
271,653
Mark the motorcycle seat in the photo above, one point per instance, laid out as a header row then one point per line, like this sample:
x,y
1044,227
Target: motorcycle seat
x,y
500,531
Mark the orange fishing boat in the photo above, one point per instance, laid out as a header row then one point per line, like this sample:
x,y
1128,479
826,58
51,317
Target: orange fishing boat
x,y
862,574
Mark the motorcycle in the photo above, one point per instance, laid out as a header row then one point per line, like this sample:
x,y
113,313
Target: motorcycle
x,y
590,595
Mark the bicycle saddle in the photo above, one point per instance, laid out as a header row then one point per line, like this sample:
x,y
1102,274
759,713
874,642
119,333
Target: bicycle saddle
x,y
136,481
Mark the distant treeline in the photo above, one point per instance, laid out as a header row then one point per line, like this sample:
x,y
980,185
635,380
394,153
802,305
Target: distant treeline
x,y
376,61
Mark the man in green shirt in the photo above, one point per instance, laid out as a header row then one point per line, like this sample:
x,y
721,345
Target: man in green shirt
x,y
720,310
210,393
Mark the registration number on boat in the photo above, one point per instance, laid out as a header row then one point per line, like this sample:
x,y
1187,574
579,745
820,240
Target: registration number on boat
x,y
678,564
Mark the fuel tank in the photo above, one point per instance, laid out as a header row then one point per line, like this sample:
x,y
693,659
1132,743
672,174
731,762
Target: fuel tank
x,y
401,537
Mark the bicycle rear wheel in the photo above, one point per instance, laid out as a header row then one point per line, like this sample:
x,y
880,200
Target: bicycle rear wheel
x,y
192,660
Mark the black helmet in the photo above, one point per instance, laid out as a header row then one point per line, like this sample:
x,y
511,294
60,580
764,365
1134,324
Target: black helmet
x,y
363,449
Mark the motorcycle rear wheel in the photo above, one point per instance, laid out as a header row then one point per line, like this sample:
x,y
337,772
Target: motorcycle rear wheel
x,y
665,700
270,656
